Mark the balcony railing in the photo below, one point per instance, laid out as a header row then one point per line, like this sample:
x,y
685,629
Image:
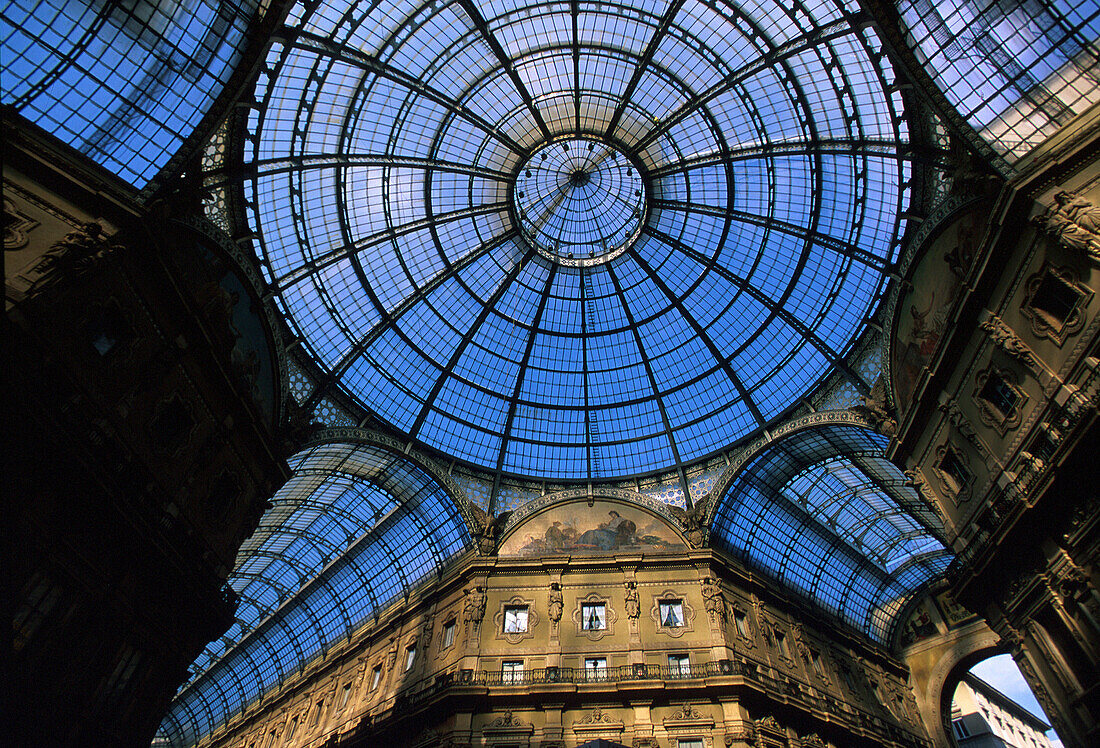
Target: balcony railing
x,y
615,674
758,674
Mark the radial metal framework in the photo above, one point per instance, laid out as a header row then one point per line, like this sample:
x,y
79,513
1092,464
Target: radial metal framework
x,y
382,162
825,513
355,528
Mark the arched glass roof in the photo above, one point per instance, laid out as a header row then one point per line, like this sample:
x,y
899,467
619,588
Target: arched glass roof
x,y
825,513
1017,71
384,160
355,528
123,82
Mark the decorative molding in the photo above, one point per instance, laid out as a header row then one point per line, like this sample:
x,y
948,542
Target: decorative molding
x,y
508,720
515,637
597,717
508,727
610,617
597,724
1005,339
689,614
17,225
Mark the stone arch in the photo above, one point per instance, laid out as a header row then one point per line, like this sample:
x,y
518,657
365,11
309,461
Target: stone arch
x,y
936,667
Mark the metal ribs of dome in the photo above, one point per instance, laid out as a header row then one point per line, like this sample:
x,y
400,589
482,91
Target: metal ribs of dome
x,y
382,155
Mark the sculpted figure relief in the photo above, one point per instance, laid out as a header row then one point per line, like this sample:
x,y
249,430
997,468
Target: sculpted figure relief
x,y
1074,222
713,599
473,610
633,606
557,603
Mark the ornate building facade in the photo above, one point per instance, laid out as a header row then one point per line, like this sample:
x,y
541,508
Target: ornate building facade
x,y
428,374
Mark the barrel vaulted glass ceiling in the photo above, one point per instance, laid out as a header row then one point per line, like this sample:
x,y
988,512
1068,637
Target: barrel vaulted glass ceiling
x,y
123,82
825,513
1017,71
355,529
577,240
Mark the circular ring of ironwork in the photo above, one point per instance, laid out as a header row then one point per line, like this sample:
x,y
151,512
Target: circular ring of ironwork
x,y
579,202
776,166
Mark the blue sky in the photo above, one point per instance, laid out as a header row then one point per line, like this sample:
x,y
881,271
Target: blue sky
x,y
1001,673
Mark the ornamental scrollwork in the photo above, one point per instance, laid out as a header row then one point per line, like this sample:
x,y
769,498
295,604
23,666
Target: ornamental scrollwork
x,y
75,255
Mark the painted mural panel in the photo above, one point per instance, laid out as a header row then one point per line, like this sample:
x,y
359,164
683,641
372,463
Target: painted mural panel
x,y
603,527
925,310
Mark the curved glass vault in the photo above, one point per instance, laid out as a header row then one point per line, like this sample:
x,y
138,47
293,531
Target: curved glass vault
x,y
123,82
751,163
355,529
827,515
1017,71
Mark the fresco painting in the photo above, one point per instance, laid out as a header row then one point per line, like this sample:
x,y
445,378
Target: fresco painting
x,y
604,527
924,311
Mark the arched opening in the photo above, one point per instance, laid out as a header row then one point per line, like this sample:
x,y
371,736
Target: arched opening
x,y
987,701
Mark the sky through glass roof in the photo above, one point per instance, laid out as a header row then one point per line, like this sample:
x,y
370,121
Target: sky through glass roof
x,y
354,529
389,146
123,82
825,513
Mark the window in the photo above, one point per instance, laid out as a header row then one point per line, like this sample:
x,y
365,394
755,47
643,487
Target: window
x,y
595,668
955,470
999,400
37,603
815,661
376,677
317,713
689,743
1000,395
679,666
741,623
291,727
672,613
448,634
410,657
345,694
515,619
511,672
781,644
593,617
1054,299
128,662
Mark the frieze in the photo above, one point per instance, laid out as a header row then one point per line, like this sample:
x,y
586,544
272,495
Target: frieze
x,y
535,505
916,247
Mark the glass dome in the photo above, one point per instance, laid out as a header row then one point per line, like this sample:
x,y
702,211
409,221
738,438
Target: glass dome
x,y
576,241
